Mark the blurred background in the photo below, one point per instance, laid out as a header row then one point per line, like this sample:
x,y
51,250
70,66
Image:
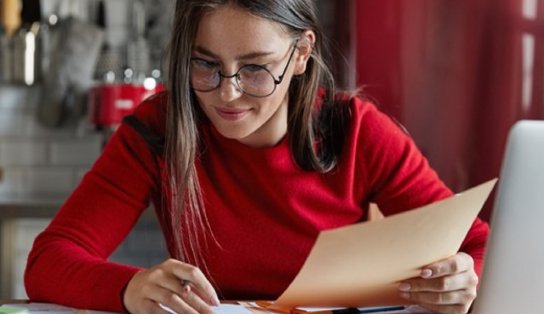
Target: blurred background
x,y
455,74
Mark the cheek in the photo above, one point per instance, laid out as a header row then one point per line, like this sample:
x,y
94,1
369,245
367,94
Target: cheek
x,y
281,93
204,101
200,98
270,104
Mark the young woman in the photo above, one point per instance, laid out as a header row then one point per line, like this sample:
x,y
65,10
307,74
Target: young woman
x,y
246,158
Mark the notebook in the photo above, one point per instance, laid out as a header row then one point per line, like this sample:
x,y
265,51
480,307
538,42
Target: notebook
x,y
513,276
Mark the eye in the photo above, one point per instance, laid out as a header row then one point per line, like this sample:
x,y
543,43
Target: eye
x,y
253,67
204,64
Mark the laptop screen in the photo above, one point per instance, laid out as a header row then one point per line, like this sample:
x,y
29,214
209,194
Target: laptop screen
x,y
513,276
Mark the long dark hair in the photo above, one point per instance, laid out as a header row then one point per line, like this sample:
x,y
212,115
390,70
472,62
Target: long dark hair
x,y
315,134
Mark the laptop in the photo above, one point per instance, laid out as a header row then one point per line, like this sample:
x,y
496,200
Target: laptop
x,y
513,275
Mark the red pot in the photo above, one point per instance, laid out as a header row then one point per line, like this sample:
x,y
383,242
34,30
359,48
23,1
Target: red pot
x,y
109,103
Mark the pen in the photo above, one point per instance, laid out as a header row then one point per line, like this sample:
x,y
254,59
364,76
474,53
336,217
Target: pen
x,y
349,310
378,309
353,310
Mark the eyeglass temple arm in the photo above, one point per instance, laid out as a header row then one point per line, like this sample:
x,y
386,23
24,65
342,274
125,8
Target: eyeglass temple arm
x,y
280,78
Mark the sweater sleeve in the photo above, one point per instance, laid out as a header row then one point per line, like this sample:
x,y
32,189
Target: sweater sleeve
x,y
399,176
68,262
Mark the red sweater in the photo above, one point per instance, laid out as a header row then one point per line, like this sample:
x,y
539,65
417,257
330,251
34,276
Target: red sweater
x,y
264,211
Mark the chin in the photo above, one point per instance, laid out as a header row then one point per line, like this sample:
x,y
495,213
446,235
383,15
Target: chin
x,y
233,134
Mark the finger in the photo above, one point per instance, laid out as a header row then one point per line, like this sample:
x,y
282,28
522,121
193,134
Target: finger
x,y
196,302
172,301
447,309
173,284
460,281
441,298
198,280
186,285
457,263
148,306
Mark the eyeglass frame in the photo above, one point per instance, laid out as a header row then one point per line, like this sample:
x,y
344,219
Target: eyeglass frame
x,y
276,81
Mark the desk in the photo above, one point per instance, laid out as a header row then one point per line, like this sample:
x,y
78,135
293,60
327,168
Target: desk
x,y
14,244
228,307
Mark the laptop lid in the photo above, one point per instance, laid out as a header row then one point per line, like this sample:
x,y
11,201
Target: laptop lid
x,y
513,276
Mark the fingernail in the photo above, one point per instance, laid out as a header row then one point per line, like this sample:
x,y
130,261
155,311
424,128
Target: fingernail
x,y
405,286
215,301
405,295
426,273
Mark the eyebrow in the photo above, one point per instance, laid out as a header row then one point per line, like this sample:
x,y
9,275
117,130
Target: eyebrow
x,y
246,56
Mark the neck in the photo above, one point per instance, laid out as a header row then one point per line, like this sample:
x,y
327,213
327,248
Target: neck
x,y
271,132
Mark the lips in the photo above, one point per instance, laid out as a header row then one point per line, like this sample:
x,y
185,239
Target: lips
x,y
232,114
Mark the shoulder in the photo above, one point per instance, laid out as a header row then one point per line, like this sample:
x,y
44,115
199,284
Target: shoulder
x,y
359,106
374,137
152,113
367,119
148,122
394,170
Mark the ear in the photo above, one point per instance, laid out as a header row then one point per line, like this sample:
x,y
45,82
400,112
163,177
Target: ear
x,y
305,46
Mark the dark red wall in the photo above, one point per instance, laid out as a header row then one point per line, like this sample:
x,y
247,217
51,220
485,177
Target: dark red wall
x,y
452,73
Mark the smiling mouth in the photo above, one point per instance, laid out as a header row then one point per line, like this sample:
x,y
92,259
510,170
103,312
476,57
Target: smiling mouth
x,y
232,114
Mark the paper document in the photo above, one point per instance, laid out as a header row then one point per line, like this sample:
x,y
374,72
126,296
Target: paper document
x,y
225,308
231,309
49,308
360,265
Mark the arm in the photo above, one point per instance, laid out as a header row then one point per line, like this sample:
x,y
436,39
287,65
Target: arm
x,y
67,264
400,178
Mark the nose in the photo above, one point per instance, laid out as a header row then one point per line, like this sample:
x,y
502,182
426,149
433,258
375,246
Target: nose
x,y
229,90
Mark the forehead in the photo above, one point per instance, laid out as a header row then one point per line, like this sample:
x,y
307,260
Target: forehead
x,y
230,29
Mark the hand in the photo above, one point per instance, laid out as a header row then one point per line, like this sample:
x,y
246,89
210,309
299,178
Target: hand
x,y
176,285
447,286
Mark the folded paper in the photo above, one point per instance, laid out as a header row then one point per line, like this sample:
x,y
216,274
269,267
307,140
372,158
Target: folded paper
x,y
360,265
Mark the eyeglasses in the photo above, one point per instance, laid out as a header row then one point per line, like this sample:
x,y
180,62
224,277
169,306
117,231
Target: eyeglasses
x,y
252,79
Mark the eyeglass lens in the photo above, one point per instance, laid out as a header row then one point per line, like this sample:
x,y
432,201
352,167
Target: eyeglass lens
x,y
251,79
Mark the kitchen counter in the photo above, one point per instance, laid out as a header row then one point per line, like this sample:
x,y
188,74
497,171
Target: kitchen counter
x,y
22,216
43,205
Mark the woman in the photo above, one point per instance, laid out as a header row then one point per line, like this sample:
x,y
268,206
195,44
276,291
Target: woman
x,y
246,158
